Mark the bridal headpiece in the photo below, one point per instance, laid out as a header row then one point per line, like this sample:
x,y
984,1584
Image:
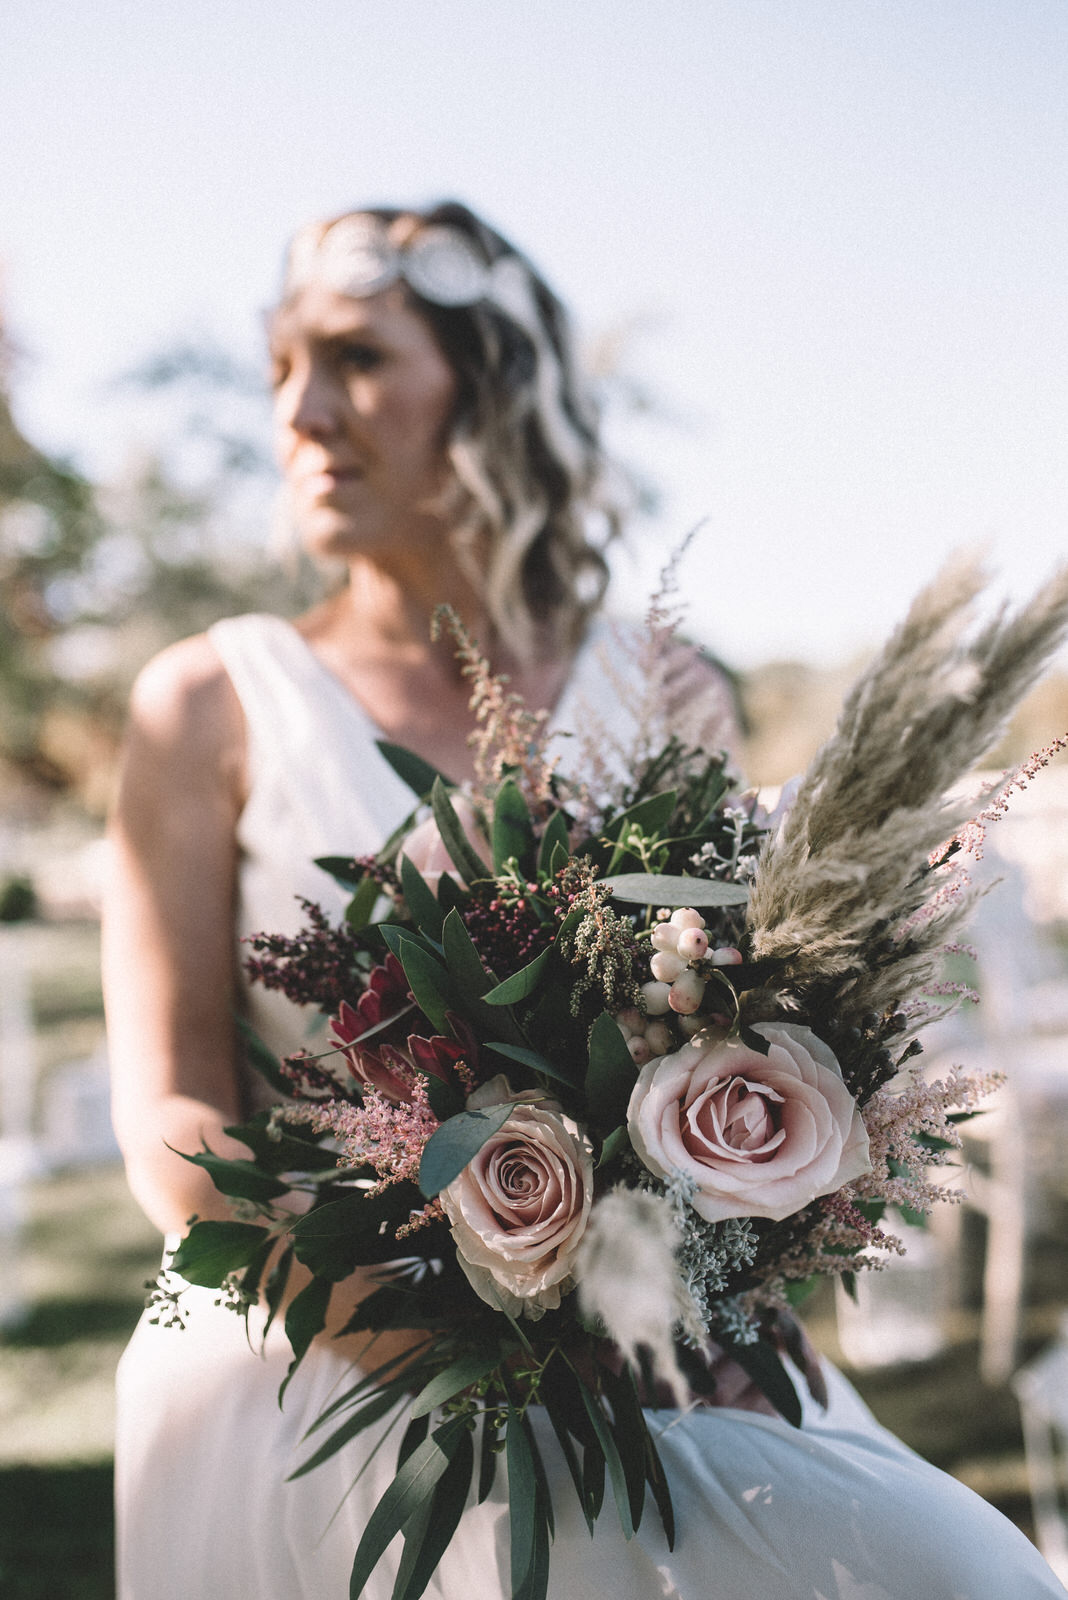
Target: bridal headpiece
x,y
362,254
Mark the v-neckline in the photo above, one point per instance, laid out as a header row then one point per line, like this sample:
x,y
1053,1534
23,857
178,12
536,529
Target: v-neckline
x,y
571,685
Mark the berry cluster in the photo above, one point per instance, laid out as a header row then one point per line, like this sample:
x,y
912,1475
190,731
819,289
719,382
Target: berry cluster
x,y
506,931
318,966
674,996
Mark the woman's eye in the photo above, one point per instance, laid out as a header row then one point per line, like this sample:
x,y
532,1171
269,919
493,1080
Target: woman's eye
x,y
359,357
279,371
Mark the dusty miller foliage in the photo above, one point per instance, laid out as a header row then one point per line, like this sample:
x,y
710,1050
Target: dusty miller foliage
x,y
857,894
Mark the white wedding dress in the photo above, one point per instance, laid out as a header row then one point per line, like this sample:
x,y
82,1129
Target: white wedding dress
x,y
838,1510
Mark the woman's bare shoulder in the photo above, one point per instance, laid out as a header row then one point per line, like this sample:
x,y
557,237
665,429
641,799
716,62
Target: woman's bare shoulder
x,y
184,707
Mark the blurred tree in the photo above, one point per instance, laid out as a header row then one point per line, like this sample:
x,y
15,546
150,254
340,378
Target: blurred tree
x,y
49,526
93,581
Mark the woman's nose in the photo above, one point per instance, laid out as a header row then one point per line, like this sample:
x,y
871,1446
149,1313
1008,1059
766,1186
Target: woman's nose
x,y
310,402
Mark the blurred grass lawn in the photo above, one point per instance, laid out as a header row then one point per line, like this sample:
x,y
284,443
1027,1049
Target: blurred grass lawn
x,y
89,1250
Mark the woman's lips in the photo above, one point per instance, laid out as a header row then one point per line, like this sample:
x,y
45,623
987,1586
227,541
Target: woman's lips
x,y
327,479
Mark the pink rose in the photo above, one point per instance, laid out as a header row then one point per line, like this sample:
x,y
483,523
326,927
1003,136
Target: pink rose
x,y
519,1210
759,1136
426,850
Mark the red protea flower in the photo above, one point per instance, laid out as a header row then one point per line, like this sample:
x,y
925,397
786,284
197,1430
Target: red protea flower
x,y
378,1013
388,1064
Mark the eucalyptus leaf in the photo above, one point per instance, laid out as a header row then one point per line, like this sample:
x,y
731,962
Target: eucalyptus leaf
x,y
344,870
380,1404
427,979
262,1059
427,1534
558,1409
535,1584
412,1438
593,1479
763,1364
466,970
414,1481
610,1453
210,1251
421,900
512,831
464,858
657,1480
460,1375
471,981
665,889
522,1499
275,1287
521,983
305,1318
555,834
356,1230
628,1430
559,857
535,1061
614,1145
295,1150
487,1466
240,1180
360,908
650,815
611,1074
457,1142
411,769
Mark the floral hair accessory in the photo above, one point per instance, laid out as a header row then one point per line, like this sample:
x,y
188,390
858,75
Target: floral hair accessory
x,y
361,255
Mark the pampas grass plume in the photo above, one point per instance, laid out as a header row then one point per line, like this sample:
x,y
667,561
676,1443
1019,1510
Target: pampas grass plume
x,y
628,1278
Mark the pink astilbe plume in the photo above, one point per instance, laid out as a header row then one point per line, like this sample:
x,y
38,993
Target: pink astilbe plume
x,y
508,738
894,1117
670,686
377,1133
972,837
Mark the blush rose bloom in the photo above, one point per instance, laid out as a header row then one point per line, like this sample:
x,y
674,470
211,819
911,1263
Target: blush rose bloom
x,y
426,850
760,1136
519,1210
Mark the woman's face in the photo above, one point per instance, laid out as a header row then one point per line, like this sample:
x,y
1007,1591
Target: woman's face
x,y
363,400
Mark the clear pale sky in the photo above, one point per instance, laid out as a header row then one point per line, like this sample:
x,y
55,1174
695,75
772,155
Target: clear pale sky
x,y
837,228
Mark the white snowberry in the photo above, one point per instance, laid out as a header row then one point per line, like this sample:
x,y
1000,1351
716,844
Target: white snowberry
x,y
666,966
693,943
655,996
687,992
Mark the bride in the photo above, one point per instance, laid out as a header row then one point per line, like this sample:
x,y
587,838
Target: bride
x,y
435,447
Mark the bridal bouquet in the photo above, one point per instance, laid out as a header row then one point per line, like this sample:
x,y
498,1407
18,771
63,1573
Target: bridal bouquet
x,y
616,1066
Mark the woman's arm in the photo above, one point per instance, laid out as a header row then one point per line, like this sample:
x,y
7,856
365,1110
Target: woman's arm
x,y
168,952
168,956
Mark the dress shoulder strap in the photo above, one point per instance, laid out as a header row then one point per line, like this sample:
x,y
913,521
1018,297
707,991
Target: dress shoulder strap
x,y
309,740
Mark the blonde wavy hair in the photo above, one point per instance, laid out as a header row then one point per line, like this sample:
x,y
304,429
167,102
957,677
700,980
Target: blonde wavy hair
x,y
532,503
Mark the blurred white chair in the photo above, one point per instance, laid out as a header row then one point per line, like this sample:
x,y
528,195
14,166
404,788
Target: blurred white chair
x,y
1042,1390
1014,1150
897,1313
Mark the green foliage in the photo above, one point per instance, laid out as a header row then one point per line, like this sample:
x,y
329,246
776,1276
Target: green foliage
x,y
610,1074
660,889
456,1143
211,1251
465,859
